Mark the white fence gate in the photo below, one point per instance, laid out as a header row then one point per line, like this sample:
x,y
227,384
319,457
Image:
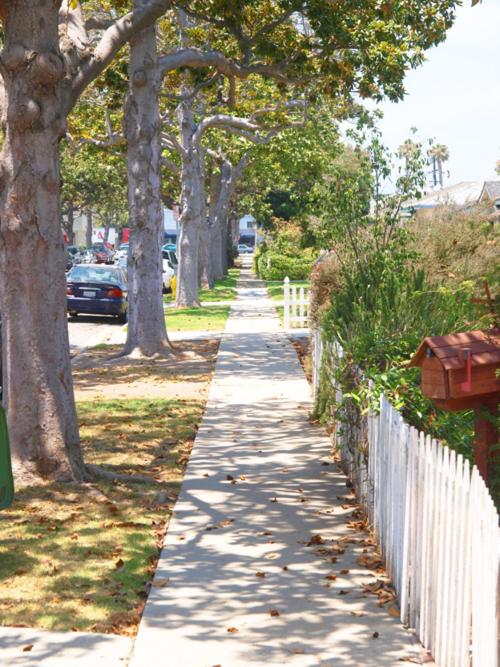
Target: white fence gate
x,y
296,305
438,531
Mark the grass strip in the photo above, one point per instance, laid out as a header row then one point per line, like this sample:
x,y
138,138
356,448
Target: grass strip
x,y
209,318
224,289
81,557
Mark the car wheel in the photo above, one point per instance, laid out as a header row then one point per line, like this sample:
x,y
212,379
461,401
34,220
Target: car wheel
x,y
73,313
122,318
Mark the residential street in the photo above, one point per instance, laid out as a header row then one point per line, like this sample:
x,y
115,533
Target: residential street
x,y
89,330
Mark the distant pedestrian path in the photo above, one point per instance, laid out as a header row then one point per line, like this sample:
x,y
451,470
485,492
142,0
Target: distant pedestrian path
x,y
265,561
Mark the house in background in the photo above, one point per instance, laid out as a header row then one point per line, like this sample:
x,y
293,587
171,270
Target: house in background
x,y
490,196
466,194
247,230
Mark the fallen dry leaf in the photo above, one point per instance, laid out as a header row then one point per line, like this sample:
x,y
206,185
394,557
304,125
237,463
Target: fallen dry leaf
x,y
159,582
260,574
411,658
375,635
232,630
344,571
28,647
331,577
274,612
315,539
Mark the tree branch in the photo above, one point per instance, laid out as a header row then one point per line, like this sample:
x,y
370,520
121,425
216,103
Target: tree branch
x,y
94,23
112,41
169,140
225,122
171,165
193,57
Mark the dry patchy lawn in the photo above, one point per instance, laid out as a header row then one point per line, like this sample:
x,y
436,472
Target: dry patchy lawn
x,y
82,557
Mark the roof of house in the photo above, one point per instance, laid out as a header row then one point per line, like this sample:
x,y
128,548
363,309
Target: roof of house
x,y
460,194
492,189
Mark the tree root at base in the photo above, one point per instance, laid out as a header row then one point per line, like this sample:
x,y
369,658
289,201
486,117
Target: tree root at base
x,y
95,473
136,351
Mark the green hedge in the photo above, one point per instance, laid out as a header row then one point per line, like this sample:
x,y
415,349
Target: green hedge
x,y
274,266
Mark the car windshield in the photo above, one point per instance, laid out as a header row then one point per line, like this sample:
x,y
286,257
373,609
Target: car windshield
x,y
93,274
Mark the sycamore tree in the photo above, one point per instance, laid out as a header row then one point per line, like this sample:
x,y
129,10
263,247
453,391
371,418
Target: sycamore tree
x,y
208,129
48,60
363,49
46,63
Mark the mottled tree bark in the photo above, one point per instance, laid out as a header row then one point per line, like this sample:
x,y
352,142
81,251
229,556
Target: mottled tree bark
x,y
89,228
45,64
146,333
68,224
193,210
37,370
215,223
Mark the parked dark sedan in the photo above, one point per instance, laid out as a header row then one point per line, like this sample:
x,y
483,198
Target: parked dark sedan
x,y
97,290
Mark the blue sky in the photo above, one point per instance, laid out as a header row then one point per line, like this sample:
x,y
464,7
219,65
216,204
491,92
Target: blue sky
x,y
455,96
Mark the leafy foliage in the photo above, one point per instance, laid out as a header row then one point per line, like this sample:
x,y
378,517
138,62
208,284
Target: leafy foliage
x,y
284,255
374,294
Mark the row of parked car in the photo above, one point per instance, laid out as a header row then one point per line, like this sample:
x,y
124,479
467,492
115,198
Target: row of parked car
x,y
96,280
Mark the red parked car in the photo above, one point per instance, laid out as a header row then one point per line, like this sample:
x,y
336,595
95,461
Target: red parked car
x,y
102,254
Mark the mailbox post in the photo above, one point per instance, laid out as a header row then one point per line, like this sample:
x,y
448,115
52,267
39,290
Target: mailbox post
x,y
460,372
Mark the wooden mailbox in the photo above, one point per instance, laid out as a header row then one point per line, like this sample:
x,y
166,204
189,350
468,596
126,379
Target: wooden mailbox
x,y
460,372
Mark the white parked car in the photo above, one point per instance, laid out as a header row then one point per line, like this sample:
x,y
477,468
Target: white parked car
x,y
244,249
121,252
168,274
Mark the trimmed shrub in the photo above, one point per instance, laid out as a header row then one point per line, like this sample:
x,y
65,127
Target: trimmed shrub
x,y
274,266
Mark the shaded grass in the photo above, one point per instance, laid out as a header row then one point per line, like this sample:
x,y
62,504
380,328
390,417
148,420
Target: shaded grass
x,y
224,290
81,557
98,366
210,318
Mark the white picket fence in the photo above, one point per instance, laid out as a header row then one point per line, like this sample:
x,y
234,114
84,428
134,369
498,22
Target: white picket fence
x,y
438,531
296,305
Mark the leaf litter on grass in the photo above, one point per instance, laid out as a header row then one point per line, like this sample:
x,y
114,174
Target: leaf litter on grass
x,y
82,556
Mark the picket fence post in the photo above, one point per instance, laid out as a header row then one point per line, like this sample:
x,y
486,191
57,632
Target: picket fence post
x,y
286,294
437,529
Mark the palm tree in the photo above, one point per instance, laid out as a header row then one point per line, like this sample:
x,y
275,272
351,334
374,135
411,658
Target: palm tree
x,y
407,151
438,154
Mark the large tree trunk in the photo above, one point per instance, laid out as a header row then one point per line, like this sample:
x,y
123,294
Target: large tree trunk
x,y
216,231
37,370
193,212
88,229
147,333
220,213
206,269
68,224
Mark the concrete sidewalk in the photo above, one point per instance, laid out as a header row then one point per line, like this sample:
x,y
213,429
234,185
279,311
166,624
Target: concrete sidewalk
x,y
30,647
259,565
